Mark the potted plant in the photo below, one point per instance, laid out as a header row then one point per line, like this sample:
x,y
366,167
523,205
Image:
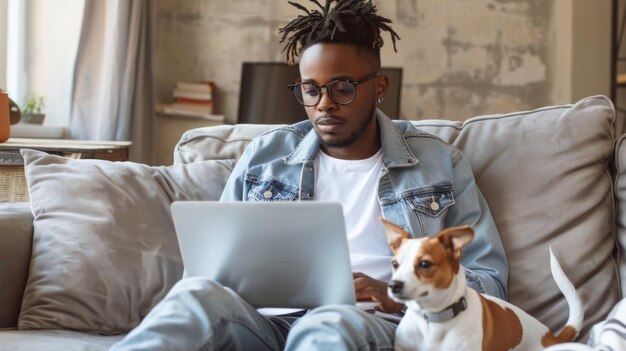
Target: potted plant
x,y
33,110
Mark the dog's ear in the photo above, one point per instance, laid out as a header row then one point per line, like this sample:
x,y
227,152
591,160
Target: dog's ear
x,y
395,234
456,237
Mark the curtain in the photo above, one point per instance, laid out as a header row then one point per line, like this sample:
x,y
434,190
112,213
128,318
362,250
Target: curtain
x,y
112,94
3,44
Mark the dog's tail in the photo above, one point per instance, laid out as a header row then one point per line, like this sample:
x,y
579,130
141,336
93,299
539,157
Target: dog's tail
x,y
576,312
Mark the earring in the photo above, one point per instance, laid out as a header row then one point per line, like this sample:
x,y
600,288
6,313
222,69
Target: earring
x,y
380,99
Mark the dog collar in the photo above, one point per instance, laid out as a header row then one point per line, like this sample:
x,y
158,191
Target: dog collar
x,y
447,314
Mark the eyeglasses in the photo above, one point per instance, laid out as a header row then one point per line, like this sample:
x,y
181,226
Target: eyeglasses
x,y
341,91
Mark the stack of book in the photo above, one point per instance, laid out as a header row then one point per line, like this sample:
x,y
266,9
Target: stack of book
x,y
193,99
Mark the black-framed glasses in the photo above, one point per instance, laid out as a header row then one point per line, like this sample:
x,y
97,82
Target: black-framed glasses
x,y
341,91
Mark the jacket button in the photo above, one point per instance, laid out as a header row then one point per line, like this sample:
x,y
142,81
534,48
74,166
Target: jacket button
x,y
434,206
268,194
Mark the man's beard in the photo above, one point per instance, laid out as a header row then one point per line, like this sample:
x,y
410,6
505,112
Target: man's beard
x,y
354,135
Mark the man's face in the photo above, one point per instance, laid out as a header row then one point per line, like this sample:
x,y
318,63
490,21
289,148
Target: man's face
x,y
347,131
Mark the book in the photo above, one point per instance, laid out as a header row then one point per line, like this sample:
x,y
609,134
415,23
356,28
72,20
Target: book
x,y
193,95
169,110
202,86
193,101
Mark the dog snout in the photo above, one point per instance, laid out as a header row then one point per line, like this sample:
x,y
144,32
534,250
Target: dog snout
x,y
396,286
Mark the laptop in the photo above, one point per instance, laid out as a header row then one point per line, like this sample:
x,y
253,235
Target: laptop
x,y
273,254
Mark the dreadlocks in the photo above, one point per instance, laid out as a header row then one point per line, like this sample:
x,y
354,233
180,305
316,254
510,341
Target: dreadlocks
x,y
352,22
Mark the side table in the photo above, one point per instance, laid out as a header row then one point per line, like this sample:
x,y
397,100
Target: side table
x,y
13,186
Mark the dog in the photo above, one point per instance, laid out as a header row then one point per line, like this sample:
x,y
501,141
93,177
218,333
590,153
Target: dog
x,y
443,313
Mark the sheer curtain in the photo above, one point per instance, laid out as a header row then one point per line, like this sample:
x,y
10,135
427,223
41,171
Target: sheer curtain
x,y
112,95
3,44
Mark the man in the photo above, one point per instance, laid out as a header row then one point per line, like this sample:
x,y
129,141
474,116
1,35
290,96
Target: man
x,y
348,152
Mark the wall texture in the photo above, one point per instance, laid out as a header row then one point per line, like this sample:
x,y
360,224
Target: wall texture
x,y
460,57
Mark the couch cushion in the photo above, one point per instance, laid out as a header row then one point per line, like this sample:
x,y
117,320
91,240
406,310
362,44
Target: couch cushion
x,y
104,248
224,142
545,176
16,235
55,340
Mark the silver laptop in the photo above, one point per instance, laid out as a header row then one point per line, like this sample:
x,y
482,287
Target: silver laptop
x,y
275,254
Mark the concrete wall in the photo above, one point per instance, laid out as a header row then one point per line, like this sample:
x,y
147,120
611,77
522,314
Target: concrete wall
x,y
460,58
581,55
464,58
591,53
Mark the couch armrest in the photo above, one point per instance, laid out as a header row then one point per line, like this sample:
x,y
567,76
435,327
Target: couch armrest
x,y
16,236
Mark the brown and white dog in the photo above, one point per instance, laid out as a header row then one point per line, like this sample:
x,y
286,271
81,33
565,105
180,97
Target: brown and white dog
x,y
444,314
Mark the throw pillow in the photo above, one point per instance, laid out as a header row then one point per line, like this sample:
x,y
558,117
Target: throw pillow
x,y
104,247
545,174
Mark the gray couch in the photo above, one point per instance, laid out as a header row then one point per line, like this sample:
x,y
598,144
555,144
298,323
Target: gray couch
x,y
552,176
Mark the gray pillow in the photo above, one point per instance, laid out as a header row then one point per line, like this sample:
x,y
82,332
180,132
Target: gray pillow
x,y
545,174
104,247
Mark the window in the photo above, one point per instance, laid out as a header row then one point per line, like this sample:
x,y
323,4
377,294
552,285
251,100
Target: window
x,y
42,39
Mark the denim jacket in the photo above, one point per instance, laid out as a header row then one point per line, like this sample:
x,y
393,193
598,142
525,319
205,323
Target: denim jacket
x,y
425,186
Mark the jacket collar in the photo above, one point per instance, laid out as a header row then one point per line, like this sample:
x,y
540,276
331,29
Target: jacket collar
x,y
307,149
396,152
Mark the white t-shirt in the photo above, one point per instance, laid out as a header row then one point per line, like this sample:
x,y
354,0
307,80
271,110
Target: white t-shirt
x,y
354,184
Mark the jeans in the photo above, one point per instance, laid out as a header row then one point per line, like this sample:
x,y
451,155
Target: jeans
x,y
200,314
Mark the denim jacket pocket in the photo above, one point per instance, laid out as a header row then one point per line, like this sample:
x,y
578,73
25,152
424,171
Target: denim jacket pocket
x,y
430,200
269,189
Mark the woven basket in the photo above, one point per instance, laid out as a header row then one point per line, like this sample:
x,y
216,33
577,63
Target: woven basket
x,y
13,187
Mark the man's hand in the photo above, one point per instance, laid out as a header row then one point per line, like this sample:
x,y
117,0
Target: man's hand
x,y
370,289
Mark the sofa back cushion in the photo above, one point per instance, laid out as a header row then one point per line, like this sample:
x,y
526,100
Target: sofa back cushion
x,y
545,175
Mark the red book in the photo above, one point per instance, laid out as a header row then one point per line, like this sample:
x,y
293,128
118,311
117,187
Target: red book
x,y
194,101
